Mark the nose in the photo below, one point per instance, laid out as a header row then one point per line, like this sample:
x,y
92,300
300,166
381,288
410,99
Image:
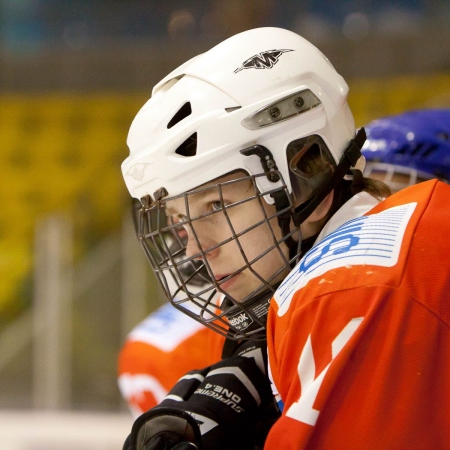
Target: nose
x,y
193,247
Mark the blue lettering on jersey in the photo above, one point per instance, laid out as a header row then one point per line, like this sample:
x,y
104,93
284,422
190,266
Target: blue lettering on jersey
x,y
375,239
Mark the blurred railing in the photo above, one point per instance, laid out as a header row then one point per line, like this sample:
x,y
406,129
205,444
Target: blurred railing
x,y
67,363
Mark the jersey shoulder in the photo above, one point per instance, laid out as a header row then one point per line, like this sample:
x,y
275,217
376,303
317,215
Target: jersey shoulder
x,y
365,250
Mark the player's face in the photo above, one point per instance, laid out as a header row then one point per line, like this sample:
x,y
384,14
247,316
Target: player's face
x,y
213,227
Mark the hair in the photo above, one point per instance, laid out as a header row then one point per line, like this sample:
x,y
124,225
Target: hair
x,y
376,188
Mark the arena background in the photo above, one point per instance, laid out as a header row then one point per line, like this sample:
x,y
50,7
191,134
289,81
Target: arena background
x,y
72,77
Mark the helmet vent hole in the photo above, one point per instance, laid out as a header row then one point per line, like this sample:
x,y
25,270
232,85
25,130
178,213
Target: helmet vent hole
x,y
182,113
443,136
416,149
188,147
430,151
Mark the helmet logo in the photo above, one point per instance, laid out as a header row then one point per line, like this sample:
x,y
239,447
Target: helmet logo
x,y
137,171
263,60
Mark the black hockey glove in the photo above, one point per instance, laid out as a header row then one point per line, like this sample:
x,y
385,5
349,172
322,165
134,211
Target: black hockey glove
x,y
219,407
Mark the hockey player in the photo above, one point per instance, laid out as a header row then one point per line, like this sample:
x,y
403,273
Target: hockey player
x,y
410,147
158,351
251,148
401,150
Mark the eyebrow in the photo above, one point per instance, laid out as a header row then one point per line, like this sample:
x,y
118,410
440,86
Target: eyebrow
x,y
198,196
204,191
170,211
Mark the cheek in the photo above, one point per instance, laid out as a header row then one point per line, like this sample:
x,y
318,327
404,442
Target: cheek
x,y
260,237
258,241
245,216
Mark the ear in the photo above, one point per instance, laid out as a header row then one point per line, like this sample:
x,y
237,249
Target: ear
x,y
322,210
314,223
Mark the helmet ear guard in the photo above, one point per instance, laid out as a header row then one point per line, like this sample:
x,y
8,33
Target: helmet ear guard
x,y
310,165
309,186
349,159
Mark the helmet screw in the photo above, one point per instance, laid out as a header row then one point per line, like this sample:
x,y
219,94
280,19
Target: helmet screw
x,y
299,102
275,112
274,177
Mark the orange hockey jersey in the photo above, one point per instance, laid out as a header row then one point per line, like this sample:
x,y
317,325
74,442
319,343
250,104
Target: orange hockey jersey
x,y
159,351
358,333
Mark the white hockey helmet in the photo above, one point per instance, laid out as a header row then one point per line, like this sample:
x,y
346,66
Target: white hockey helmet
x,y
266,86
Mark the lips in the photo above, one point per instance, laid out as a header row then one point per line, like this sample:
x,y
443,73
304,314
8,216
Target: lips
x,y
224,281
218,278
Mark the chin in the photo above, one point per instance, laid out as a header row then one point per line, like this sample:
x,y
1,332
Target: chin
x,y
239,295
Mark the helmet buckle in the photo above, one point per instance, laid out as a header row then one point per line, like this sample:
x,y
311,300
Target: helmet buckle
x,y
267,161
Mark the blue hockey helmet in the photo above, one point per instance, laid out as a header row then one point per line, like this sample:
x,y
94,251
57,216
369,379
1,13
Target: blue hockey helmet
x,y
415,144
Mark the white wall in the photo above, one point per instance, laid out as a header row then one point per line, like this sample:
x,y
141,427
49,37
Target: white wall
x,y
44,430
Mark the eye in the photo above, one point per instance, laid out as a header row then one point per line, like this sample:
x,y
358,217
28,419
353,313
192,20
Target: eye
x,y
215,205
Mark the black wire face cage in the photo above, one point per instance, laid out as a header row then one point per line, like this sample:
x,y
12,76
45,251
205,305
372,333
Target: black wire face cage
x,y
219,227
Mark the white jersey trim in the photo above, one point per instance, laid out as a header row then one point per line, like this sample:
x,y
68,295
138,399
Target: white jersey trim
x,y
136,385
165,329
373,240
